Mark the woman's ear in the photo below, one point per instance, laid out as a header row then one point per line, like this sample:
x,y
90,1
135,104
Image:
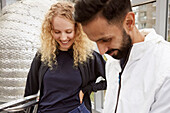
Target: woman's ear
x,y
129,22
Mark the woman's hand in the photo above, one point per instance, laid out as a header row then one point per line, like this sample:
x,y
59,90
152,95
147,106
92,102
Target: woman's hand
x,y
81,95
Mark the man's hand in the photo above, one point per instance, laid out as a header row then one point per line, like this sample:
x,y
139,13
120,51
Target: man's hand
x,y
81,95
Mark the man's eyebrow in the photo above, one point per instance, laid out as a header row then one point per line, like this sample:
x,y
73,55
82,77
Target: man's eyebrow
x,y
103,38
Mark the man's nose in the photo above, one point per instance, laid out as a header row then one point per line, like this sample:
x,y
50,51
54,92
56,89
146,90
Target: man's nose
x,y
102,48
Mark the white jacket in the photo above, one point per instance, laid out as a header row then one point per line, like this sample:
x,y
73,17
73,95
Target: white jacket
x,y
145,82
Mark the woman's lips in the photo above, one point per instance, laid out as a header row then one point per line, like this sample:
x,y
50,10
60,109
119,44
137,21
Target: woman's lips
x,y
65,43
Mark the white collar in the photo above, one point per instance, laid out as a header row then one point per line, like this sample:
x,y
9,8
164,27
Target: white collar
x,y
138,49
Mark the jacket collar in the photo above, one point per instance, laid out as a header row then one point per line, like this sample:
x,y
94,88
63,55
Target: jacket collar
x,y
139,49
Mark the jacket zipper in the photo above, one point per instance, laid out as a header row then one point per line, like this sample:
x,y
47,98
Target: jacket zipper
x,y
120,74
118,94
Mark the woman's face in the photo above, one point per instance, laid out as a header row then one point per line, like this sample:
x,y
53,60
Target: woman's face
x,y
63,32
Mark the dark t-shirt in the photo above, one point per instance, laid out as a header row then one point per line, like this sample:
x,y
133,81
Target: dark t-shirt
x,y
61,86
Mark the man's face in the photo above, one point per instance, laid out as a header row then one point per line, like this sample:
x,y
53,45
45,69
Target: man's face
x,y
110,39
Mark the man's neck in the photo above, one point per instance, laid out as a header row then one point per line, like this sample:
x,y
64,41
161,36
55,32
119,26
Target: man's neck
x,y
137,36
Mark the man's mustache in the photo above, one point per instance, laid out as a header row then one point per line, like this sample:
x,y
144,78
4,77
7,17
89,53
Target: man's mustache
x,y
111,50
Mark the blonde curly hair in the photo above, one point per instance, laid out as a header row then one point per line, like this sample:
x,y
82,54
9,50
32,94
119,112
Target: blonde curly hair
x,y
82,46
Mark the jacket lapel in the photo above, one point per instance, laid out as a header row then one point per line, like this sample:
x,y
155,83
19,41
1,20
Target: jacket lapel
x,y
42,71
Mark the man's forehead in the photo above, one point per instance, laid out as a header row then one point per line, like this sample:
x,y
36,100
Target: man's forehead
x,y
100,29
92,33
94,28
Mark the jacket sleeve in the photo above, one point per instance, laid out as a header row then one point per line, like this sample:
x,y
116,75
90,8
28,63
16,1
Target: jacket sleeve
x,y
32,83
97,69
162,99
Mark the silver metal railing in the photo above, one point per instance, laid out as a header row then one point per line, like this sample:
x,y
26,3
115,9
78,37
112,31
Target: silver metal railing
x,y
21,105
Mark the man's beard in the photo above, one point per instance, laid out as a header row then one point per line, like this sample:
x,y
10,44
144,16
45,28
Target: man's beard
x,y
125,47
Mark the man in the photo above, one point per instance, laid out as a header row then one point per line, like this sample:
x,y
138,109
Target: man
x,y
144,77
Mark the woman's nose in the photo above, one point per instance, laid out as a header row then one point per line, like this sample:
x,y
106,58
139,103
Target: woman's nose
x,y
63,37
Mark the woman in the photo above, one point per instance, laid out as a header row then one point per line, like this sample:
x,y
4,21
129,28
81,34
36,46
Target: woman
x,y
65,68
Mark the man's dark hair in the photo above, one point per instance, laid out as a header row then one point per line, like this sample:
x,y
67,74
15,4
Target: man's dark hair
x,y
112,10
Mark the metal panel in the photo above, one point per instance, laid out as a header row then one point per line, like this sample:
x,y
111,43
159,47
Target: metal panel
x,y
3,3
141,2
0,5
98,97
161,17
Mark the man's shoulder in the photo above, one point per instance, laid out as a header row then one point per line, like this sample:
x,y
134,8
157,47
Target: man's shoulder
x,y
163,47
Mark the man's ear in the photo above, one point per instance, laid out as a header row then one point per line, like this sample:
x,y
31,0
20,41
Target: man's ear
x,y
129,22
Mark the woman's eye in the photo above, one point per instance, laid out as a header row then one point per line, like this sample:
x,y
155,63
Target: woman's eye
x,y
68,32
56,32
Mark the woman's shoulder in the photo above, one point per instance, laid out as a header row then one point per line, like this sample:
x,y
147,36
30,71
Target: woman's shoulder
x,y
97,55
37,57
